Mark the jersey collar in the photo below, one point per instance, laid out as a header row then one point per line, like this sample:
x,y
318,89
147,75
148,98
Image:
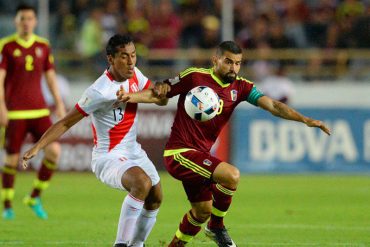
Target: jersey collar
x,y
24,43
109,75
219,82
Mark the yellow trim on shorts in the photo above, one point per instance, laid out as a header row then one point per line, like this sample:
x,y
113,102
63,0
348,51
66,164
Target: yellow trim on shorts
x,y
171,152
183,237
218,212
192,166
28,114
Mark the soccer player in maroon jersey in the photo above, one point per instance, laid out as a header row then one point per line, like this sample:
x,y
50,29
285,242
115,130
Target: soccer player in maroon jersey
x,y
209,182
24,58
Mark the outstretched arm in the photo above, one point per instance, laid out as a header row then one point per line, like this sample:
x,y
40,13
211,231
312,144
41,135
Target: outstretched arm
x,y
283,111
156,94
52,134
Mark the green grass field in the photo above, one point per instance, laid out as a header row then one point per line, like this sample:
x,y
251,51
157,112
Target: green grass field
x,y
278,210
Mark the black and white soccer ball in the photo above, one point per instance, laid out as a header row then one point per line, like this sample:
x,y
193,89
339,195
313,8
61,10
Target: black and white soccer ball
x,y
202,103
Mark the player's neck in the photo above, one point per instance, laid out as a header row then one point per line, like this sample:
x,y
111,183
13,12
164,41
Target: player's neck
x,y
25,36
116,76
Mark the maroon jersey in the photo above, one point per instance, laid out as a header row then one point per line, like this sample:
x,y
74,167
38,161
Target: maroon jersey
x,y
24,62
189,133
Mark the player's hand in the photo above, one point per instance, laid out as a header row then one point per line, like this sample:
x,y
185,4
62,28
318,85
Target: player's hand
x,y
29,155
161,89
122,96
318,124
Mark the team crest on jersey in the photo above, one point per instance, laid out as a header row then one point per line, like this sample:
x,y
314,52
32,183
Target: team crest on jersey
x,y
17,53
234,95
38,52
207,162
134,87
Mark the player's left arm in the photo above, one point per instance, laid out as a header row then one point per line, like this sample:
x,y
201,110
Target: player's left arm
x,y
51,80
282,110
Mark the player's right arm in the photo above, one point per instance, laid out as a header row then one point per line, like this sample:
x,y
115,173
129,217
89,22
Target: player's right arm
x,y
3,109
53,133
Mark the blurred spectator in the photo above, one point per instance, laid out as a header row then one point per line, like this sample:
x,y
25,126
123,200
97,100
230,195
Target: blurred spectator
x,y
91,42
166,26
278,86
111,18
277,38
66,27
210,37
350,8
191,30
138,27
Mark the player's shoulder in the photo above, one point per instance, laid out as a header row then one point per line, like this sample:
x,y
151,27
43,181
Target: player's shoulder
x,y
243,80
7,40
195,71
42,40
103,86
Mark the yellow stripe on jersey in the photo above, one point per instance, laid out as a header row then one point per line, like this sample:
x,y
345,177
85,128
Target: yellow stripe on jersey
x,y
193,69
28,114
175,151
192,166
219,82
6,40
41,40
243,79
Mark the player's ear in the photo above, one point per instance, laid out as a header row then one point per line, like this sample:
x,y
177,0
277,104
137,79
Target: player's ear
x,y
214,60
110,59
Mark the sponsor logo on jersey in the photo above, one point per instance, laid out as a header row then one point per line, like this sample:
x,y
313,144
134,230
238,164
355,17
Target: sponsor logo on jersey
x,y
38,52
207,162
234,94
17,53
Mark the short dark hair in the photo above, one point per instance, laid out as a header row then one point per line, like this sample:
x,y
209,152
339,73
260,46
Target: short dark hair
x,y
229,46
118,40
24,6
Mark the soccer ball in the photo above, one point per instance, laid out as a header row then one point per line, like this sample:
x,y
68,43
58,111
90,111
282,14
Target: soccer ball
x,y
202,103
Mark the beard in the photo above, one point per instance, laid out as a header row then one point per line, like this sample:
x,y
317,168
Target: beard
x,y
229,77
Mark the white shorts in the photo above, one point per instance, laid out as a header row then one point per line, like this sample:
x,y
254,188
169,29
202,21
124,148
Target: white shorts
x,y
109,168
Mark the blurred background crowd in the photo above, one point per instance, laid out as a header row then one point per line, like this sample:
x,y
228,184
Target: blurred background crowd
x,y
269,30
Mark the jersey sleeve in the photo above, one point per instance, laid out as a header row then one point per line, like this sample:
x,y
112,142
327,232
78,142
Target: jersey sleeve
x,y
144,82
90,101
179,85
49,60
254,95
3,56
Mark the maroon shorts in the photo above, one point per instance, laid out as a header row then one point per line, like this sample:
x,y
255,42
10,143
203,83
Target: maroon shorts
x,y
194,169
17,131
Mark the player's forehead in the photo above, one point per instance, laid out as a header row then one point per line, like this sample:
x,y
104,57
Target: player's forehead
x,y
25,13
227,55
126,49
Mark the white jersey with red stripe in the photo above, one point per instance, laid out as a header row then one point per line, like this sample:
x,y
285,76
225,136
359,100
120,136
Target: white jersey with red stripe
x,y
114,127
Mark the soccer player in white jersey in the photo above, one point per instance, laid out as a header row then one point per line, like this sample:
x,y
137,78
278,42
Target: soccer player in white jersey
x,y
117,159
